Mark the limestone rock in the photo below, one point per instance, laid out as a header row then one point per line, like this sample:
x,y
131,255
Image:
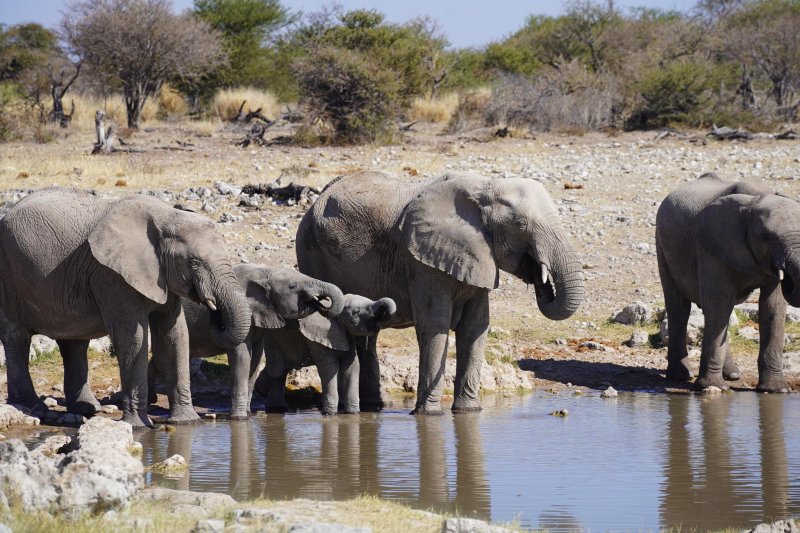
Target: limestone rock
x,y
103,344
639,338
610,392
10,415
319,527
173,464
471,525
51,445
208,500
781,526
210,526
633,314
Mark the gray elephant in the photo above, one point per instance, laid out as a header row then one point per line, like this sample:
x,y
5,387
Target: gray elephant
x,y
436,247
76,267
275,295
716,242
330,344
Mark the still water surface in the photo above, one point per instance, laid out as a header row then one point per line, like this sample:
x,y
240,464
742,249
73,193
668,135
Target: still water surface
x,y
639,462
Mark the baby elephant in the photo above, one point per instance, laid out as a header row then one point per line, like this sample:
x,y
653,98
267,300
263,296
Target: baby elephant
x,y
328,343
275,295
717,241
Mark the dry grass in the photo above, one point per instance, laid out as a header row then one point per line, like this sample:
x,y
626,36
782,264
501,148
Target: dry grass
x,y
439,109
114,106
227,101
470,109
171,103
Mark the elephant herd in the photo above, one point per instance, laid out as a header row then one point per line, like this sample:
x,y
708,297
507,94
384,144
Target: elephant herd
x,y
374,253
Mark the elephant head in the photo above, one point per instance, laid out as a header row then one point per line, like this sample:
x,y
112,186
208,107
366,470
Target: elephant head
x,y
361,317
279,293
160,250
472,226
762,232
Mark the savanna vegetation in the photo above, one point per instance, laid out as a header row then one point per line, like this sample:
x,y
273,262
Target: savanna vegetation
x,y
354,76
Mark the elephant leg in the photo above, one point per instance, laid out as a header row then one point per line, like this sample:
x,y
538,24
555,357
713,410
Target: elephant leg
x,y
678,309
256,346
717,311
152,375
348,382
275,394
432,339
771,313
170,338
471,334
730,370
129,337
328,369
370,373
239,362
17,346
79,396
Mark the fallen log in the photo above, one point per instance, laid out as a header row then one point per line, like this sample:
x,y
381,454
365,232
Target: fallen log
x,y
729,134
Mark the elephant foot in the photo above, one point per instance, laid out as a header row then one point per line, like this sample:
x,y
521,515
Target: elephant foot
x,y
679,371
371,407
238,416
83,408
140,422
776,384
730,370
467,409
183,416
704,382
466,405
422,410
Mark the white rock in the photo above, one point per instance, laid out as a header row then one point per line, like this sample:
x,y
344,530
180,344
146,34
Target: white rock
x,y
610,392
11,416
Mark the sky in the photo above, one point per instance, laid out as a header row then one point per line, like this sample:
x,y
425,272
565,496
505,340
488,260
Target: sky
x,y
467,23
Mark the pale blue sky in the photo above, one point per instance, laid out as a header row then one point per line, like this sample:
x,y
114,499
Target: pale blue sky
x,y
465,22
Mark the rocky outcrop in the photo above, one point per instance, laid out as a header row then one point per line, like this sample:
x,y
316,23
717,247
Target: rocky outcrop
x,y
10,415
781,526
633,314
471,525
97,473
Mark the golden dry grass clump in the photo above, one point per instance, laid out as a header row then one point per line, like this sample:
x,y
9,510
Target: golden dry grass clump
x,y
171,103
227,101
439,109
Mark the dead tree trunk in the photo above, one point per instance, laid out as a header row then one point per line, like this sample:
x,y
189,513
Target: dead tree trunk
x,y
59,85
106,137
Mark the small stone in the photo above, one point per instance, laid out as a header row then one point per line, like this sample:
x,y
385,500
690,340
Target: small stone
x,y
50,402
633,314
58,387
210,526
610,392
136,448
471,525
110,409
173,464
638,338
560,413
560,342
712,390
210,416
749,333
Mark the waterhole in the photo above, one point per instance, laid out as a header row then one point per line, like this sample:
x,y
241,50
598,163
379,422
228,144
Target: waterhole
x,y
637,462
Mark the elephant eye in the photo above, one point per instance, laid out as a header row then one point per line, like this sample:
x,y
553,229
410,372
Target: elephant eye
x,y
194,264
522,223
293,286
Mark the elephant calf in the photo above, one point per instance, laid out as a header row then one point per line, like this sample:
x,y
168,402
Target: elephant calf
x,y
330,344
716,242
275,295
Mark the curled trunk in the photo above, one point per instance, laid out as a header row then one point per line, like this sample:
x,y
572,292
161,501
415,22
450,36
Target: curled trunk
x,y
230,323
559,284
384,309
331,292
790,285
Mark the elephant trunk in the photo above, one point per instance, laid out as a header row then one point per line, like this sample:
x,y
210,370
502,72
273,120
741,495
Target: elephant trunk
x,y
558,281
230,322
384,309
790,284
327,291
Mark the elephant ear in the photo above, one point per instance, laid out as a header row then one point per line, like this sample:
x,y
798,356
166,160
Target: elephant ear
x,y
444,228
722,229
127,240
325,331
262,311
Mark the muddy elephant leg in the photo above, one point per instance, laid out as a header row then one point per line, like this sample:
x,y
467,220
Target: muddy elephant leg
x,y
170,338
239,362
129,337
771,313
678,309
152,375
79,396
432,325
717,309
256,346
348,382
328,369
370,373
471,334
17,345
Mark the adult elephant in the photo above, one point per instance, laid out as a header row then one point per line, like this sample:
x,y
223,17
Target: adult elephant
x,y
330,344
716,242
275,295
436,247
77,267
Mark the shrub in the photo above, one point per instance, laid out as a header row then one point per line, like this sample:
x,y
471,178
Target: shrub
x,y
670,94
470,109
171,103
571,99
357,98
227,102
438,109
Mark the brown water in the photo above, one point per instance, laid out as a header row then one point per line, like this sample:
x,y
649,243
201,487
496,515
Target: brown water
x,y
636,463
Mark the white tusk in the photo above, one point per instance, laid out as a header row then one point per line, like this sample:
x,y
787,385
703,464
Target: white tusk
x,y
780,275
544,274
210,304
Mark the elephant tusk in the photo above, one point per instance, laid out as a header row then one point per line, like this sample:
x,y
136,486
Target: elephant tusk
x,y
544,274
780,275
210,304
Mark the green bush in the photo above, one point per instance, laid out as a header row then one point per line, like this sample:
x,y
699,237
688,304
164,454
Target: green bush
x,y
349,94
675,93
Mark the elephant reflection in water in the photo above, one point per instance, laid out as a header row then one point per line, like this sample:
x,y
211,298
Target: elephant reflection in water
x,y
707,492
472,491
177,442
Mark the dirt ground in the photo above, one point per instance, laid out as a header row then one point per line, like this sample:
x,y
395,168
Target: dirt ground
x,y
607,188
